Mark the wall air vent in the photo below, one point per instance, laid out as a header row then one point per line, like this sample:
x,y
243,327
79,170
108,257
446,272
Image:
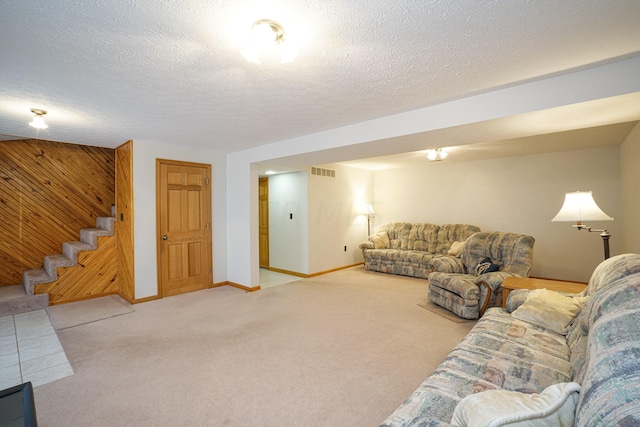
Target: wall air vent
x,y
323,172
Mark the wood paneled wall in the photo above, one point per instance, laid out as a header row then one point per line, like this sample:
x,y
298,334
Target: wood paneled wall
x,y
124,220
95,275
48,192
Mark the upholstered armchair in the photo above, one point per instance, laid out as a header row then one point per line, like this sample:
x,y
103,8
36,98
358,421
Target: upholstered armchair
x,y
468,285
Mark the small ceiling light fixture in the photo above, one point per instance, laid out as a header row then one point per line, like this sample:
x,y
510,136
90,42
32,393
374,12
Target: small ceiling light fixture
x,y
38,119
267,35
435,155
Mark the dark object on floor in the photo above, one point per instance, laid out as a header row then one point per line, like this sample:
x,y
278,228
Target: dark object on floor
x,y
17,407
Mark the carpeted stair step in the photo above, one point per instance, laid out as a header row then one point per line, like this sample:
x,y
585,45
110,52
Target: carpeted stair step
x,y
105,226
90,236
31,278
14,300
52,262
71,249
106,223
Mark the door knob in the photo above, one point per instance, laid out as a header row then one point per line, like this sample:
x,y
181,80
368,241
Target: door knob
x,y
164,237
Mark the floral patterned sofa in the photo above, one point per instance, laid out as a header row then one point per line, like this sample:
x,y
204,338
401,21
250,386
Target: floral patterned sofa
x,y
407,249
590,366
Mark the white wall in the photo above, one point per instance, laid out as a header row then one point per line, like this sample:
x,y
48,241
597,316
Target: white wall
x,y
514,194
630,195
144,192
327,216
288,222
335,217
604,81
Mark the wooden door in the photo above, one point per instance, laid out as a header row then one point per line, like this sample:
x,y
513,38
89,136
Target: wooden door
x,y
124,221
184,227
263,215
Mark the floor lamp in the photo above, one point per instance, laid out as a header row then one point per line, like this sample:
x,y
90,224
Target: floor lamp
x,y
579,206
369,212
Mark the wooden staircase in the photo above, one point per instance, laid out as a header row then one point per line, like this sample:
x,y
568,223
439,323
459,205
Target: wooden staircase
x,y
85,269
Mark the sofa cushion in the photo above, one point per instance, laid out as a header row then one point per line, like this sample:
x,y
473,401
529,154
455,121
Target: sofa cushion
x,y
385,254
455,249
467,308
578,346
417,258
422,237
449,233
555,406
496,354
446,264
459,284
398,233
610,392
549,309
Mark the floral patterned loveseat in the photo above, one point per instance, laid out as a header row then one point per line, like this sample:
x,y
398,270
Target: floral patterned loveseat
x,y
407,248
596,357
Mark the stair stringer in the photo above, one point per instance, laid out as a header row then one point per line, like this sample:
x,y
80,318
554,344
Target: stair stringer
x,y
92,261
95,275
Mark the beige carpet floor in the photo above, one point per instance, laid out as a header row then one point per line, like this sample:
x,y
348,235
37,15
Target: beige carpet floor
x,y
440,311
342,349
78,313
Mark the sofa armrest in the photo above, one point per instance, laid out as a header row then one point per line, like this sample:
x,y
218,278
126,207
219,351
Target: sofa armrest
x,y
420,420
366,245
490,288
446,264
380,240
493,280
516,298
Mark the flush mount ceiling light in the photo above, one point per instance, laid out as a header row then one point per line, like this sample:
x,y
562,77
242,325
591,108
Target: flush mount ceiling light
x,y
268,36
436,155
38,119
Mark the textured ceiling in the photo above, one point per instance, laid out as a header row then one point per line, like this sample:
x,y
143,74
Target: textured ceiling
x,y
600,136
170,71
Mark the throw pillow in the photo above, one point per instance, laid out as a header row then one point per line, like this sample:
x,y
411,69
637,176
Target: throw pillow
x,y
555,406
486,266
380,240
455,249
550,310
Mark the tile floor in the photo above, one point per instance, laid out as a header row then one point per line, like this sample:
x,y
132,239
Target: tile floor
x,y
30,350
270,278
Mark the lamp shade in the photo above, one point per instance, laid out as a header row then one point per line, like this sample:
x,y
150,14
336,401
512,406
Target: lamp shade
x,y
579,206
368,209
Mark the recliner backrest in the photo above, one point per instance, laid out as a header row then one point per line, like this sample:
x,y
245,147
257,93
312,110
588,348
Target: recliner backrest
x,y
512,252
423,237
398,233
449,233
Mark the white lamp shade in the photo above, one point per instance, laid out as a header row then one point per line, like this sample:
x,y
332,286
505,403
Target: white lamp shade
x,y
580,206
368,209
